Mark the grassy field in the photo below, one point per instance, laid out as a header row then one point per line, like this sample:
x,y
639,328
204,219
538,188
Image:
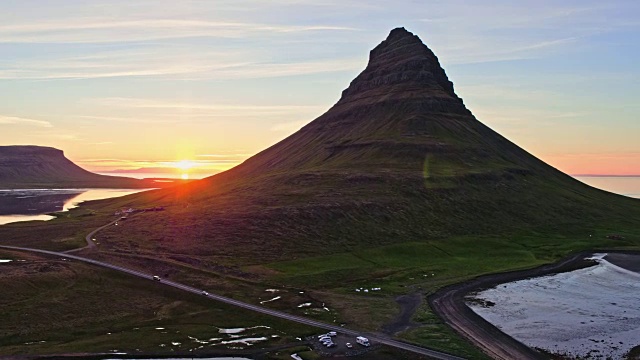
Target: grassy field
x,y
425,267
53,306
326,281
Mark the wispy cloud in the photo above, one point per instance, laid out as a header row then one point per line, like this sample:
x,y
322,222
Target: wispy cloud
x,y
67,136
172,104
12,120
170,111
178,63
499,31
109,30
161,165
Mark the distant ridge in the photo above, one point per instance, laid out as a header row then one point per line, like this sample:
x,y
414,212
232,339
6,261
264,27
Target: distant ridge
x,y
398,158
28,166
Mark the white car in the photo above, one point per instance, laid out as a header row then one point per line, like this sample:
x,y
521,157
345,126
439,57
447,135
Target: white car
x,y
349,345
156,277
332,333
205,293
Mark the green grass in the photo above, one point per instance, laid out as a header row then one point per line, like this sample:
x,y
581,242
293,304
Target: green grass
x,y
426,267
436,335
398,269
449,261
57,306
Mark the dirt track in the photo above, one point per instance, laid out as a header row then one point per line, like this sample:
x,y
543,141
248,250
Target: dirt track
x,y
449,304
408,306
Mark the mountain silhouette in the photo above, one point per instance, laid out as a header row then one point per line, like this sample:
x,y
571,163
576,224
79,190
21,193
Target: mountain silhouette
x,y
398,158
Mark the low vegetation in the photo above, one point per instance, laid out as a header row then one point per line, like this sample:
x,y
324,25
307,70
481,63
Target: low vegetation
x,y
54,306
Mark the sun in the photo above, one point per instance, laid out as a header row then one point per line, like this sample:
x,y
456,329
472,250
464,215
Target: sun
x,y
183,167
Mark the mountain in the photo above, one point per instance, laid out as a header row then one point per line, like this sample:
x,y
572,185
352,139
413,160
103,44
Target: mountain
x,y
38,166
398,158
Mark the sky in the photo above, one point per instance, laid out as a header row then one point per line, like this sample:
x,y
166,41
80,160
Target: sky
x,y
203,84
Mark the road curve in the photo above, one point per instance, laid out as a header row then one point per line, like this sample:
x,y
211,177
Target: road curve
x,y
88,238
376,338
449,304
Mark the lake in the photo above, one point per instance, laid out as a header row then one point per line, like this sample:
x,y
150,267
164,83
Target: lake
x,y
34,204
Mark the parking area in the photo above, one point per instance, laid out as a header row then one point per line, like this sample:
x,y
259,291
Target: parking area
x,y
344,345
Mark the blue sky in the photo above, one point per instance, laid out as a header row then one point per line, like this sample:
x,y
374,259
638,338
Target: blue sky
x,y
127,84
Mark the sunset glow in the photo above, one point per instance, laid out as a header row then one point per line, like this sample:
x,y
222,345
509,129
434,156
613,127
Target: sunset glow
x,y
201,87
184,164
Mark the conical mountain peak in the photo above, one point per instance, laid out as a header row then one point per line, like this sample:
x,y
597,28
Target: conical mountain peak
x,y
399,41
401,65
401,107
398,159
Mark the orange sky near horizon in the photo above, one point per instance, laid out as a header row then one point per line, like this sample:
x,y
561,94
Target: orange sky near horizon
x,y
596,164
121,85
572,164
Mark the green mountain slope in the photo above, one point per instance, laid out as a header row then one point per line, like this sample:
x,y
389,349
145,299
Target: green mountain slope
x,y
398,158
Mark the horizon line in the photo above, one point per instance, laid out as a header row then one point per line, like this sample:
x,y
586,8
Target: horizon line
x,y
606,175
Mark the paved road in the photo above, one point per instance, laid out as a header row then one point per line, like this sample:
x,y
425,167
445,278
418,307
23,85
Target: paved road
x,y
375,338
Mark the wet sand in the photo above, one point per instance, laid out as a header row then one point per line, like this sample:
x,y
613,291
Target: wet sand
x,y
586,313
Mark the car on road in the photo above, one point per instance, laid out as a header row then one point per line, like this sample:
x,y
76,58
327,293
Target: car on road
x,y
349,345
156,277
205,293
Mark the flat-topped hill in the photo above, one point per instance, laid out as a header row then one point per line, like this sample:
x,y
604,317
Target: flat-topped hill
x,y
28,166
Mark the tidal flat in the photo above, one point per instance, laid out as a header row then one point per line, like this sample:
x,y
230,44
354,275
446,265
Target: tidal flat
x,y
586,313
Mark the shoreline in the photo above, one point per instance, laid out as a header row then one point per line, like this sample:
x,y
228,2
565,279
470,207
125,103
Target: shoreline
x,y
449,303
